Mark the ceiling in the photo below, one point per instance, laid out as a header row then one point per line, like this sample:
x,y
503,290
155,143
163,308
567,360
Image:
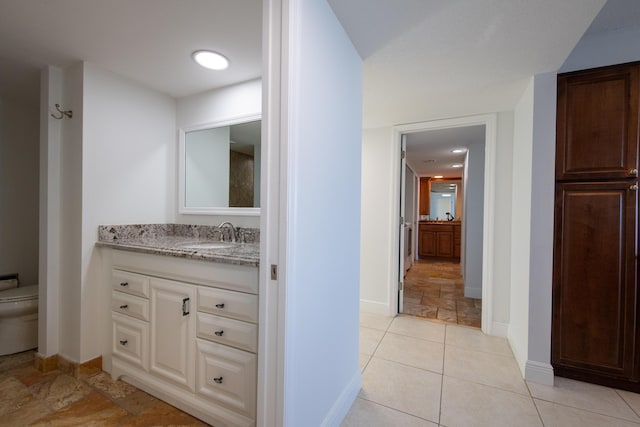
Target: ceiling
x,y
148,41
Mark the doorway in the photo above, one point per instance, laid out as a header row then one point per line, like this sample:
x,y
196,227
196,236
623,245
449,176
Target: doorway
x,y
469,279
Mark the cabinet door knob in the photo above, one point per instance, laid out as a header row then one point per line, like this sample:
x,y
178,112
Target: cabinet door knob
x,y
123,342
124,306
221,305
219,333
218,380
124,284
633,172
634,187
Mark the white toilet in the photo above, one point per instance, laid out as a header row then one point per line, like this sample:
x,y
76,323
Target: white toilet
x,y
18,319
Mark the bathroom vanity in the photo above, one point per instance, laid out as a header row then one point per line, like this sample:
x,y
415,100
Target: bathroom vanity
x,y
184,316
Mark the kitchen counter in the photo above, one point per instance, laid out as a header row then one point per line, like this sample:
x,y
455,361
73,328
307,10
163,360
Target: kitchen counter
x,y
171,239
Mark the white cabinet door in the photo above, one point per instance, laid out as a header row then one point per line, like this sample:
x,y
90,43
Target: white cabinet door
x,y
172,331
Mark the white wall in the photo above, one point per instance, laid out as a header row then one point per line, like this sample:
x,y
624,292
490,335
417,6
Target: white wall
x,y
19,183
473,219
376,230
598,50
521,226
231,102
322,281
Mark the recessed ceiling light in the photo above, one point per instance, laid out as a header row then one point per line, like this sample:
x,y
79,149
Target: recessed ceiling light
x,y
446,195
457,165
210,59
458,150
438,176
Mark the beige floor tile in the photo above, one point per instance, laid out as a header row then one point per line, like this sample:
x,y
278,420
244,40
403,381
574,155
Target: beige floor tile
x,y
404,388
632,399
369,339
411,351
93,410
555,415
114,389
418,328
13,395
485,368
590,397
375,321
470,404
475,339
363,360
60,391
364,413
26,414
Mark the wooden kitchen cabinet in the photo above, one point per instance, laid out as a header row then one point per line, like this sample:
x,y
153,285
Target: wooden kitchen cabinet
x,y
425,195
595,276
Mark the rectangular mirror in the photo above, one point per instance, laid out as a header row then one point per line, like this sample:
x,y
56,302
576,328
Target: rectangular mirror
x,y
444,200
219,170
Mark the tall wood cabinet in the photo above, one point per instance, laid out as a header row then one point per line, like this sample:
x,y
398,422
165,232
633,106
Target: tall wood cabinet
x,y
595,335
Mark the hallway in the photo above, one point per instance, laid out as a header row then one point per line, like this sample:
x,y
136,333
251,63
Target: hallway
x,y
419,373
434,289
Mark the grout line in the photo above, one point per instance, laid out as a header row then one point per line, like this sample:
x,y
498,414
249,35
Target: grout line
x,y
625,401
395,409
534,403
585,410
444,352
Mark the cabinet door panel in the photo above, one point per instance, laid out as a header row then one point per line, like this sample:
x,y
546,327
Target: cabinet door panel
x,y
172,337
594,290
427,245
445,243
597,123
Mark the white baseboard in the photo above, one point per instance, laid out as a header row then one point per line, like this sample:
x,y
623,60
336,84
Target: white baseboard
x,y
375,307
541,373
341,406
499,329
473,292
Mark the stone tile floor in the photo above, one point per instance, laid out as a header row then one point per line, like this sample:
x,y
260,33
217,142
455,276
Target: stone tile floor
x,y
418,372
30,398
434,289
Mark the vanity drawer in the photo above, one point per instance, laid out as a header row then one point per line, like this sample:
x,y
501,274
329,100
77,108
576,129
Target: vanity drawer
x,y
228,304
228,376
130,305
131,283
231,332
130,340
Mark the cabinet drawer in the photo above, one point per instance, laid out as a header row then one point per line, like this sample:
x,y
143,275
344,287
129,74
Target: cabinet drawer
x,y
231,332
130,340
131,283
228,304
130,305
228,376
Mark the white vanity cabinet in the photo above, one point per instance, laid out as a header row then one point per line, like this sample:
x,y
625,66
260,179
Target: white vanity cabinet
x,y
186,331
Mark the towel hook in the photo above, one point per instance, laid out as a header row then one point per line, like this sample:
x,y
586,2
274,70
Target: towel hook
x,y
63,113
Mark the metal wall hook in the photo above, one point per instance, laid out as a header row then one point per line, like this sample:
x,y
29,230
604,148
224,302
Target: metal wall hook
x,y
63,113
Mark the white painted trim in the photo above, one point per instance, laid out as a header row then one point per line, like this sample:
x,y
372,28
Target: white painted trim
x,y
376,307
341,406
519,359
541,373
490,123
500,329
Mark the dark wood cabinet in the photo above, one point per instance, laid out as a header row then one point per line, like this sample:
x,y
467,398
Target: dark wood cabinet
x,y
439,240
595,335
425,195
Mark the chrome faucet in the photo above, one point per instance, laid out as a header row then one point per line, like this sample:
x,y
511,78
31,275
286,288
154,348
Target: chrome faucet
x,y
233,230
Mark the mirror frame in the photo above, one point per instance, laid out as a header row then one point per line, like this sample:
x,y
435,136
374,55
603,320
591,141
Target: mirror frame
x,y
185,210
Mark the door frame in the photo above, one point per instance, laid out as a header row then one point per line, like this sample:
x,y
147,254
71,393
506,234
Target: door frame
x,y
490,123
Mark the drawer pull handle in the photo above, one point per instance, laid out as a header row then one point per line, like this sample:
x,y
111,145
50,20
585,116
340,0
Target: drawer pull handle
x,y
634,187
219,333
124,306
185,306
221,305
124,284
218,380
633,172
123,342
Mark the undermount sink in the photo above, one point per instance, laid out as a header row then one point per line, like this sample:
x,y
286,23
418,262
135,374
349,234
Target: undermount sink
x,y
209,245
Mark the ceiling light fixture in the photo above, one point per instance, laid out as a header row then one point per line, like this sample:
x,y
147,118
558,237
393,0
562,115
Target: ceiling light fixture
x,y
438,176
457,165
210,59
458,150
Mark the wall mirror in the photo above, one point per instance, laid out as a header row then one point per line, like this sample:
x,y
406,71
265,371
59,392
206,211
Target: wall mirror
x,y
219,170
444,199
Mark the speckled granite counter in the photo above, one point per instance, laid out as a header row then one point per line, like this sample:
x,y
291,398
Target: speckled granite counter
x,y
170,239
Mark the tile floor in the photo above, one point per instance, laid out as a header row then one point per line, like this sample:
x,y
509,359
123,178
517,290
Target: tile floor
x,y
434,289
30,398
418,372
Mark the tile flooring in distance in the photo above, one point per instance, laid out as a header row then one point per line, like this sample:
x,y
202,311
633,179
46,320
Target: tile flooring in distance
x,y
30,398
434,289
418,372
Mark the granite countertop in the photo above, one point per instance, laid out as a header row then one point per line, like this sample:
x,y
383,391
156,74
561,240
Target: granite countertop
x,y
170,239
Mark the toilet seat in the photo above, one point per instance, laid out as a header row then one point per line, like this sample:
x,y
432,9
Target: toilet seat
x,y
23,293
